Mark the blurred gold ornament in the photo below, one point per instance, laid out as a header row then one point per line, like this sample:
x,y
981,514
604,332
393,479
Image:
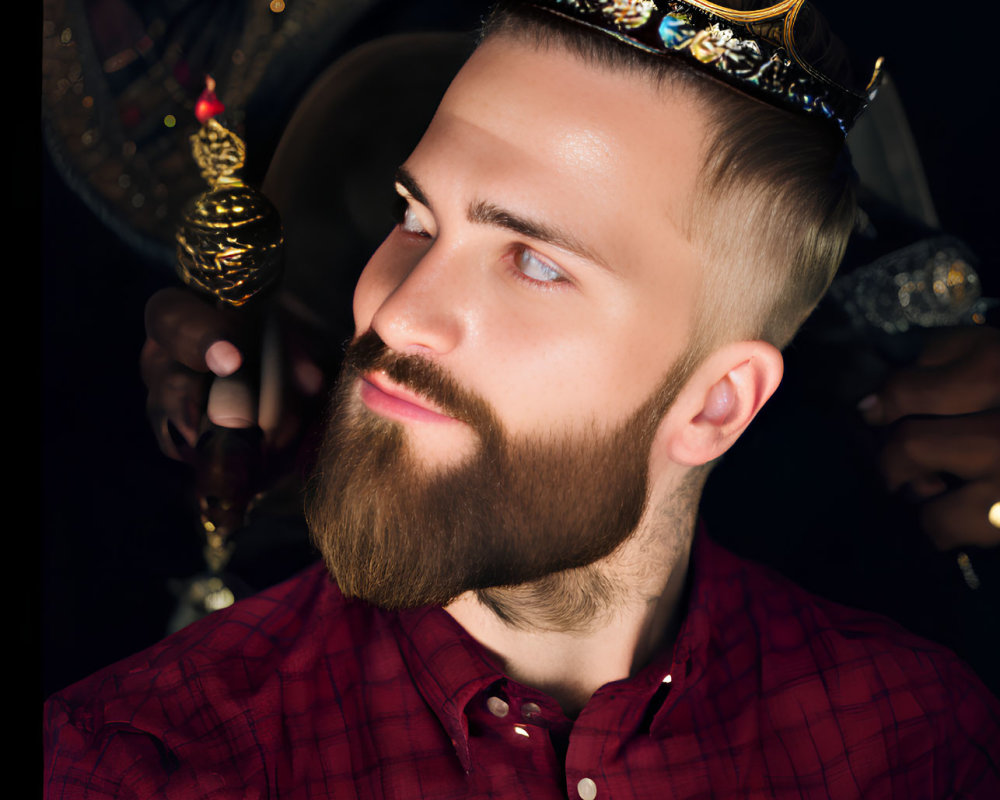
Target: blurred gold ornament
x,y
218,152
968,573
230,240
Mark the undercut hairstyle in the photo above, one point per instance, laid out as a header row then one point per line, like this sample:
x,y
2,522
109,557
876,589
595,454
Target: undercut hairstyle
x,y
777,199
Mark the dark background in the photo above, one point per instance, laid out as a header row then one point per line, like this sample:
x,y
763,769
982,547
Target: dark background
x,y
117,517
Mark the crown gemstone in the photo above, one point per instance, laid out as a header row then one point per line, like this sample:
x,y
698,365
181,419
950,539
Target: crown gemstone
x,y
629,13
675,33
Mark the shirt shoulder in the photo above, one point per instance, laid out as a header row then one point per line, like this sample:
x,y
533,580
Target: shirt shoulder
x,y
214,694
789,622
853,677
255,633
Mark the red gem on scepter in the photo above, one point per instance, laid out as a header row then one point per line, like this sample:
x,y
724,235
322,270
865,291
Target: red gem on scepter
x,y
208,104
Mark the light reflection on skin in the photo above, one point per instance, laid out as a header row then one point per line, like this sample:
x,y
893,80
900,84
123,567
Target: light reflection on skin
x,y
585,151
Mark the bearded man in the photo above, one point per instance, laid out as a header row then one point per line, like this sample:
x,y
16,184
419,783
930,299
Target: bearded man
x,y
603,243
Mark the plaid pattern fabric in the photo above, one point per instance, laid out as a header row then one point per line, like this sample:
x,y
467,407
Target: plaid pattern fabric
x,y
299,693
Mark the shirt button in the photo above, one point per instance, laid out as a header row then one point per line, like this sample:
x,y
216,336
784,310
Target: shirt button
x,y
587,789
497,706
530,710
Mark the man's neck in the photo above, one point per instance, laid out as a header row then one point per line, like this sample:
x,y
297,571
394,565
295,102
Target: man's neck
x,y
538,644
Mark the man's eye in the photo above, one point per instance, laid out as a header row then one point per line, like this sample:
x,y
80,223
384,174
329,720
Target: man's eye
x,y
406,218
537,268
410,223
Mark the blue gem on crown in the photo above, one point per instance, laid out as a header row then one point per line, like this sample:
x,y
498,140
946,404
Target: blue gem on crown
x,y
675,32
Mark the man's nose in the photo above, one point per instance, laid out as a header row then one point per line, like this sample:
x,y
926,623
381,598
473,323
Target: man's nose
x,y
424,308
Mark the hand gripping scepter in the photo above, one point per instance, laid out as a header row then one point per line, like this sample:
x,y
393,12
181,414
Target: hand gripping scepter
x,y
229,247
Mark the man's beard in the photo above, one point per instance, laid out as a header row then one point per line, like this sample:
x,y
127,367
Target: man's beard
x,y
518,510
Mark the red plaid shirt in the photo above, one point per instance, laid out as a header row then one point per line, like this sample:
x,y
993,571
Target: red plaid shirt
x,y
297,693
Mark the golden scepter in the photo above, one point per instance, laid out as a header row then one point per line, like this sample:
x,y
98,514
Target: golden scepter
x,y
229,247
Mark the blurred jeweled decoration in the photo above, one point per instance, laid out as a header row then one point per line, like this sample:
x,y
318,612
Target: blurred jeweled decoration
x,y
208,104
202,595
968,573
929,284
230,239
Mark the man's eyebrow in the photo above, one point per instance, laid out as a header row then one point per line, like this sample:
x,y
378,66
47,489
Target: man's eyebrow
x,y
488,214
485,213
408,182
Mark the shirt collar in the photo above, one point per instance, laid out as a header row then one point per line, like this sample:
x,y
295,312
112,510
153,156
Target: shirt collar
x,y
450,668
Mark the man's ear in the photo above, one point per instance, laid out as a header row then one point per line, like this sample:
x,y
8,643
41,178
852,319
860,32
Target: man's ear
x,y
720,399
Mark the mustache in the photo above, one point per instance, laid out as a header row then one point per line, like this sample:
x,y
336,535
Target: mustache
x,y
368,353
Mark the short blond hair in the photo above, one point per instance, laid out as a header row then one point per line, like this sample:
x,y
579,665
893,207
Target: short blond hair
x,y
779,203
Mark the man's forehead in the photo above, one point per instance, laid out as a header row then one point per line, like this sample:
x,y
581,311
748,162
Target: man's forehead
x,y
591,128
512,67
510,88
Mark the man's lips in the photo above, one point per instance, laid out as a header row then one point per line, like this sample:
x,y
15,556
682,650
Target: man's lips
x,y
391,400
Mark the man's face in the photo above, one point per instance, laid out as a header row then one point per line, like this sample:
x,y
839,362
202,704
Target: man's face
x,y
532,302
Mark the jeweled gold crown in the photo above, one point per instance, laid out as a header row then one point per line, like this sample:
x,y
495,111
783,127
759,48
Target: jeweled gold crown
x,y
783,53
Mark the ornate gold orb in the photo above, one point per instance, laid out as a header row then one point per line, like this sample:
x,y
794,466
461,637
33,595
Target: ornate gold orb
x,y
229,244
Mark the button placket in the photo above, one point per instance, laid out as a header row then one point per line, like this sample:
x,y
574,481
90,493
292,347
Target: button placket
x,y
497,706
